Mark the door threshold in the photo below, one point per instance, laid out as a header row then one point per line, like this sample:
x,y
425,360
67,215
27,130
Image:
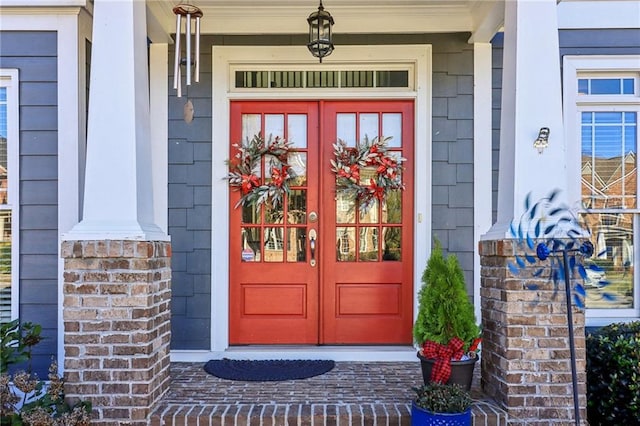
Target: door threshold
x,y
400,353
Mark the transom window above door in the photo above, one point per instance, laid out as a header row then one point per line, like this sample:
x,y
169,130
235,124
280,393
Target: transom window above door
x,y
322,78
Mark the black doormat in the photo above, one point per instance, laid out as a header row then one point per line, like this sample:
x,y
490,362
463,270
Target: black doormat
x,y
267,371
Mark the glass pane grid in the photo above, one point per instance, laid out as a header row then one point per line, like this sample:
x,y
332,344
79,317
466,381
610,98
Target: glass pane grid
x,y
609,159
277,235
297,79
606,86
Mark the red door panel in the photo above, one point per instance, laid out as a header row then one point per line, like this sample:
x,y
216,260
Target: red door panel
x,y
367,291
273,292
360,289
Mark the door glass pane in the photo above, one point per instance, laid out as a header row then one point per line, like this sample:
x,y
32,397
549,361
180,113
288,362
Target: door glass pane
x,y
297,130
346,128
250,126
297,245
297,210
371,214
392,208
612,237
250,214
273,244
368,126
391,244
298,163
392,126
369,244
272,215
270,162
273,125
250,245
345,208
367,174
346,244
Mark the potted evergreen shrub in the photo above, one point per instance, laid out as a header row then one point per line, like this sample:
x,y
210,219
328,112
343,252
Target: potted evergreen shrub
x,y
441,404
445,329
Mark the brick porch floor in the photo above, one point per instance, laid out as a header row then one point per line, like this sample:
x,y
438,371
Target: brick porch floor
x,y
353,393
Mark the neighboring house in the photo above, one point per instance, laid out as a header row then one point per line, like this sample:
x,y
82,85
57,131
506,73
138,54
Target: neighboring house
x,y
427,72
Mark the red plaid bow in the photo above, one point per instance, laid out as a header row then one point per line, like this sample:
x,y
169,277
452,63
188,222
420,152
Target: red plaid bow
x,y
442,354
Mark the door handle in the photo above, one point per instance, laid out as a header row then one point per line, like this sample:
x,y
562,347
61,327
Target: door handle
x,y
312,246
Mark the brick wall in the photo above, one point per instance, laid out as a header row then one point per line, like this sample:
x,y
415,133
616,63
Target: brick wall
x,y
526,363
117,326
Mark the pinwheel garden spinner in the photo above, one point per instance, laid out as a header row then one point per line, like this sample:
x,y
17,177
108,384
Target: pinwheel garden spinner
x,y
547,232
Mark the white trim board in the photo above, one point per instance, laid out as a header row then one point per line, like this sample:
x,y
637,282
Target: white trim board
x,y
573,66
11,81
482,158
225,57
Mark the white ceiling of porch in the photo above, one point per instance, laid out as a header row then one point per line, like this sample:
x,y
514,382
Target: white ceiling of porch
x,y
480,17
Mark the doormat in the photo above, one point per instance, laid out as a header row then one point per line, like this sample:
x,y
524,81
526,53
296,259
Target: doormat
x,y
267,371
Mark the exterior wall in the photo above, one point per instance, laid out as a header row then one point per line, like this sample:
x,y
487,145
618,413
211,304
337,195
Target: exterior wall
x,y
190,200
572,42
34,54
190,205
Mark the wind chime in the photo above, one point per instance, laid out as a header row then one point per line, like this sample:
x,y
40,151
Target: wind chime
x,y
191,14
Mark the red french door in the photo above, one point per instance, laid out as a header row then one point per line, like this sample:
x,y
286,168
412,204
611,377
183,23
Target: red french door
x,y
356,285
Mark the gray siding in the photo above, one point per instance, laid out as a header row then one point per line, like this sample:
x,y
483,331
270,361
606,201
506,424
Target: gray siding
x,y
572,42
34,54
190,200
452,133
190,207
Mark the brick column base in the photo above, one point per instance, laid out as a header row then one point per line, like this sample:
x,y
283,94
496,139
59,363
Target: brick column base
x,y
526,361
117,330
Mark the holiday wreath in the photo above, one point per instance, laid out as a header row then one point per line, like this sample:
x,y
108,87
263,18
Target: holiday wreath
x,y
367,172
245,171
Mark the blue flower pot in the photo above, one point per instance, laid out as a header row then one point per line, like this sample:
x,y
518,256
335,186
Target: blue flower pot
x,y
422,417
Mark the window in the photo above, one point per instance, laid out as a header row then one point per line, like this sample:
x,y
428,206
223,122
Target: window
x,y
321,79
8,194
602,108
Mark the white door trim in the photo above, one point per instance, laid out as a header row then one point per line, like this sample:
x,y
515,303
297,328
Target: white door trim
x,y
224,57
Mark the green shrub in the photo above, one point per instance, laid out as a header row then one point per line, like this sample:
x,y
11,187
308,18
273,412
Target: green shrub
x,y
613,375
17,342
442,398
24,398
444,308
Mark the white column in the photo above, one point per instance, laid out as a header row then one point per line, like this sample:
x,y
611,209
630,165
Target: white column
x,y
482,156
118,196
531,99
159,76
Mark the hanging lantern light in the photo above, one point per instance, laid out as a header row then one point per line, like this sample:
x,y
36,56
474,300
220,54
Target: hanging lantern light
x,y
320,42
189,13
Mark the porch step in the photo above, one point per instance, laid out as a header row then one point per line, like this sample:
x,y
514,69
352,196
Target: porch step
x,y
307,414
353,393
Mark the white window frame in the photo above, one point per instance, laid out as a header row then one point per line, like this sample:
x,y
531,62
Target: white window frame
x,y
588,66
9,79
